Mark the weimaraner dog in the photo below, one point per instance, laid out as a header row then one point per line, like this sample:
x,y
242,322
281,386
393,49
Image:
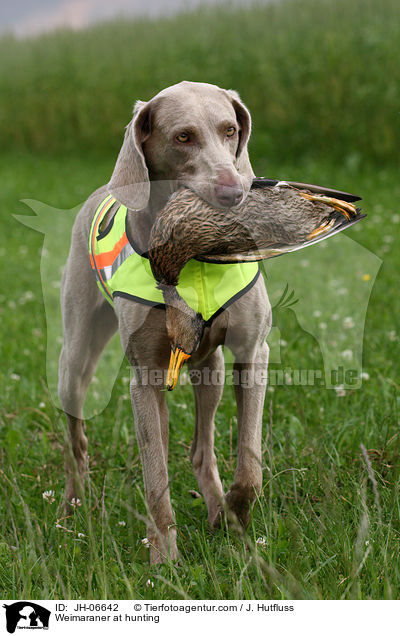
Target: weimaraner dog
x,y
191,134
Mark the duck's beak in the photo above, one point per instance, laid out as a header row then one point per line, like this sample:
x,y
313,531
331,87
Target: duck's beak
x,y
176,362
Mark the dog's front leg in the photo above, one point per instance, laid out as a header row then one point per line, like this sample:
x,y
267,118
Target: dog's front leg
x,y
250,395
207,395
145,342
151,422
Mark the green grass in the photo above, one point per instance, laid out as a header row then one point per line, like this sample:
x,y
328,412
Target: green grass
x,y
318,514
316,75
322,82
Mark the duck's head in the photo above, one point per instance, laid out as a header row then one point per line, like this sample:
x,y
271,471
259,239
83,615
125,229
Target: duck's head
x,y
185,328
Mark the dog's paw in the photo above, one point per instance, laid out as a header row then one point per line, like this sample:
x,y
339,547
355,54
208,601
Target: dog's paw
x,y
234,511
163,549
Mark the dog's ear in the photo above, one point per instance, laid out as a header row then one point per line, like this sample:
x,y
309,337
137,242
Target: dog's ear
x,y
129,182
244,120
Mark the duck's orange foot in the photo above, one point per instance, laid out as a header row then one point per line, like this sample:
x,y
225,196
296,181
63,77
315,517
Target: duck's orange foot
x,y
344,207
322,229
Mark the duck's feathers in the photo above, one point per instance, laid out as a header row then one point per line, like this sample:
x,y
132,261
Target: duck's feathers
x,y
271,221
261,182
339,223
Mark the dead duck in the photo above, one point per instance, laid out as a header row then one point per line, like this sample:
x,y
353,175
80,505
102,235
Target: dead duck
x,y
276,217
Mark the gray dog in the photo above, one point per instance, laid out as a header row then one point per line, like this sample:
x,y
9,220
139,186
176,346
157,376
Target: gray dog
x,y
196,135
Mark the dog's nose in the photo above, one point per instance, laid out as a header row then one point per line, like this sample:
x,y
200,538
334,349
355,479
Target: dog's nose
x,y
228,190
228,195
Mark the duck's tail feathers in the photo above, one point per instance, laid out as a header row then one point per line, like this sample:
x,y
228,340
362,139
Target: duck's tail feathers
x,y
333,225
329,192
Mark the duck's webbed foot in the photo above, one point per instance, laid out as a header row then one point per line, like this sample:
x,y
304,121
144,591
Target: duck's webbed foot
x,y
321,229
344,207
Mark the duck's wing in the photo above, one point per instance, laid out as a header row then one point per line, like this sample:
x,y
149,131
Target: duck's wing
x,y
262,182
335,224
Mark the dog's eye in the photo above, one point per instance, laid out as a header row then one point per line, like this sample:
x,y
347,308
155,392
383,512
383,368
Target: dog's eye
x,y
231,131
183,138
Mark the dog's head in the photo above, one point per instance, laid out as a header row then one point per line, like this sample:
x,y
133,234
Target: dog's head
x,y
190,134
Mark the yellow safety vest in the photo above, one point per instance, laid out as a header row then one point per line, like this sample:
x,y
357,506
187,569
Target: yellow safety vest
x,y
207,288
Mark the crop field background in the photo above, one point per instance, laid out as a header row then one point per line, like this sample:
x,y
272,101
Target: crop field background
x,y
322,81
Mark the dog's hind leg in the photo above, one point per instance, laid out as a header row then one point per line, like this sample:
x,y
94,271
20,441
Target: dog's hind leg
x,y
89,322
207,392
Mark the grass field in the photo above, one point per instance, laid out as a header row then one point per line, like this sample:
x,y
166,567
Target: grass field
x,y
328,520
325,536
320,74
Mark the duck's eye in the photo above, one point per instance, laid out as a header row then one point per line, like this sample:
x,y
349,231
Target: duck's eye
x,y
231,131
183,138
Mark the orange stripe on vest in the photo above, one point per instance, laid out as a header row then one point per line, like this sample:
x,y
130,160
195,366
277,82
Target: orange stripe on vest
x,y
107,258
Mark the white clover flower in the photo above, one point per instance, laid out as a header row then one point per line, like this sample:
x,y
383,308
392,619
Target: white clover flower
x,y
347,354
392,336
283,343
348,322
48,495
261,541
317,313
26,297
340,390
396,218
364,375
323,325
75,502
288,378
15,377
146,542
58,525
122,523
81,535
335,316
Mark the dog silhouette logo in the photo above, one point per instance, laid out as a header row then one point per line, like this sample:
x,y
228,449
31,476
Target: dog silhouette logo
x,y
26,615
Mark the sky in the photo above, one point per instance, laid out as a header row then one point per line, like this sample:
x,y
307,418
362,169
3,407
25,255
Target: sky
x,y
31,17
